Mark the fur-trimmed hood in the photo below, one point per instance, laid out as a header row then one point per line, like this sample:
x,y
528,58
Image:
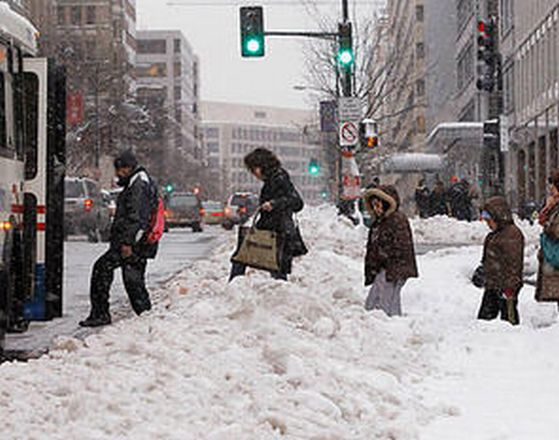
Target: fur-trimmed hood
x,y
386,193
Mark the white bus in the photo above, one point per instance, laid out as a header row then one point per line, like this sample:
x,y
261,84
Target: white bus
x,y
32,161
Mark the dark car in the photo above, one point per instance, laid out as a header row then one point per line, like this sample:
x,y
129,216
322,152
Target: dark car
x,y
184,209
240,207
86,211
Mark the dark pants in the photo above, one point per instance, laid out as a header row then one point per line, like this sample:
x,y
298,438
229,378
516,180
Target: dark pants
x,y
133,275
494,304
238,269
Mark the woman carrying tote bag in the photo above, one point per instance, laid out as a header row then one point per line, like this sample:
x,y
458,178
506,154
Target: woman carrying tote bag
x,y
279,200
547,288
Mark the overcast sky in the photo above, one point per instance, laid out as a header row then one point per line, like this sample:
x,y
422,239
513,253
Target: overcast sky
x,y
213,32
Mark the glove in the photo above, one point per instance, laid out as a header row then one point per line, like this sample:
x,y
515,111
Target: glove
x,y
478,279
508,293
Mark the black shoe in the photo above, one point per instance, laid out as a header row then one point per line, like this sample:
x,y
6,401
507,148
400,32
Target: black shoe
x,y
96,321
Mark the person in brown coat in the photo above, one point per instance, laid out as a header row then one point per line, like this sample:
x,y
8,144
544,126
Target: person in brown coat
x,y
390,259
547,288
503,262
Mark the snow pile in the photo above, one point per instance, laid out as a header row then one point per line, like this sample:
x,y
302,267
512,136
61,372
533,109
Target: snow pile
x,y
449,231
257,359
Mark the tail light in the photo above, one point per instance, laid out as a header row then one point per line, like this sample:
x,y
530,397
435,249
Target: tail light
x,y
202,212
243,210
168,213
227,211
6,226
88,205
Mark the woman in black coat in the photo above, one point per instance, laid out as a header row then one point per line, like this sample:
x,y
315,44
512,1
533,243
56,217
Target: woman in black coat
x,y
278,201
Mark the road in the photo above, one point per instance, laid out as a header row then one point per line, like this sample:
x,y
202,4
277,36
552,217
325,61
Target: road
x,y
178,249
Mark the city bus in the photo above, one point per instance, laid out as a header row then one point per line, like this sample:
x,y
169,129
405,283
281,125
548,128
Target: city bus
x,y
32,164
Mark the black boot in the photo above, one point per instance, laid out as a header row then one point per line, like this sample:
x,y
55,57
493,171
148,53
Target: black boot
x,y
96,321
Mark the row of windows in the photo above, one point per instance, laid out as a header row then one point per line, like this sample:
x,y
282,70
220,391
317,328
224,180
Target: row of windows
x,y
465,67
157,46
255,134
157,70
537,70
77,15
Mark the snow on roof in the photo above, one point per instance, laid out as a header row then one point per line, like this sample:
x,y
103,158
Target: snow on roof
x,y
16,27
452,130
413,163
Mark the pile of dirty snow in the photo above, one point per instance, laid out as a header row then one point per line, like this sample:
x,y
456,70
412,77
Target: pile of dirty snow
x,y
256,359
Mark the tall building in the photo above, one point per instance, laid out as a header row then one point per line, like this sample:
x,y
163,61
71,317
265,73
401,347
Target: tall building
x,y
97,43
42,14
406,102
530,48
166,66
233,130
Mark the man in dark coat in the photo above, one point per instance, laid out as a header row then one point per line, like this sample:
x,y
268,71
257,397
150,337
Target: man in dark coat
x,y
128,248
503,262
459,200
423,199
439,200
390,259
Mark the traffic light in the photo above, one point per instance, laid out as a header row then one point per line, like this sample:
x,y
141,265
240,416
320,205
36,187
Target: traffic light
x,y
169,188
492,133
368,132
487,55
346,57
314,167
252,31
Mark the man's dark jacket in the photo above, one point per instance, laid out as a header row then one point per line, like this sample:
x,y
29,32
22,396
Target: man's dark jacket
x,y
135,205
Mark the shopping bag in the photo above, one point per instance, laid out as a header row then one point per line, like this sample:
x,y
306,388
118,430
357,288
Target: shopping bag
x,y
259,249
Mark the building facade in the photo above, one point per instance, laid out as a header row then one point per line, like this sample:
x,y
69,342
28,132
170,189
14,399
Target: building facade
x,y
167,66
233,130
96,41
406,62
530,48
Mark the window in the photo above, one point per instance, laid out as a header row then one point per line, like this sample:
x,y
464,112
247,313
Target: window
x,y
178,93
177,45
152,46
90,15
419,13
507,15
76,15
466,66
420,50
213,147
177,69
61,12
212,133
155,70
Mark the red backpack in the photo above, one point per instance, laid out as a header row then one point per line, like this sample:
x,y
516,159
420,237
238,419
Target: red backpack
x,y
157,223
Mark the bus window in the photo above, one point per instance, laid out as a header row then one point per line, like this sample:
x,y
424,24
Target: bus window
x,y
3,145
26,107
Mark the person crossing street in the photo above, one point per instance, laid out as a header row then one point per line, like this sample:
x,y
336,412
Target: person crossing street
x,y
128,249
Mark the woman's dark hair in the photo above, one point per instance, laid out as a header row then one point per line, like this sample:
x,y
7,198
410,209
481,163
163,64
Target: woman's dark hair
x,y
554,179
264,159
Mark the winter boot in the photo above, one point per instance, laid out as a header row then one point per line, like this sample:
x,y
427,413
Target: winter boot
x,y
96,321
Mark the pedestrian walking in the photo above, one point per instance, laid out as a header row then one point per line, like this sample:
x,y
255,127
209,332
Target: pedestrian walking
x,y
423,199
438,199
502,262
547,287
459,200
128,248
390,260
279,200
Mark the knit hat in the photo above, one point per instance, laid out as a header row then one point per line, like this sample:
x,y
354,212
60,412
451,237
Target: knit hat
x,y
126,159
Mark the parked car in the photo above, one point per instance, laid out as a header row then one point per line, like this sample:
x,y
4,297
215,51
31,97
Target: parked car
x,y
239,208
184,209
86,210
213,212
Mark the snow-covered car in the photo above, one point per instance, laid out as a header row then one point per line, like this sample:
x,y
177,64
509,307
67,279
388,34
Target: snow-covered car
x,y
184,209
239,208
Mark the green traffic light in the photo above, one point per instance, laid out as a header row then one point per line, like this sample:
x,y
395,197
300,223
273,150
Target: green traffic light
x,y
345,57
314,168
253,45
169,188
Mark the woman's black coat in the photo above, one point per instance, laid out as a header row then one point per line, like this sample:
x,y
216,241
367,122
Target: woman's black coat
x,y
280,192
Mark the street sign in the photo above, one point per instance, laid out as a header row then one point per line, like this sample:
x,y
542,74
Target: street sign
x,y
351,180
349,134
504,134
349,109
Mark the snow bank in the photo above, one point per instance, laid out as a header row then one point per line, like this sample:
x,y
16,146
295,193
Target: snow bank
x,y
449,231
257,359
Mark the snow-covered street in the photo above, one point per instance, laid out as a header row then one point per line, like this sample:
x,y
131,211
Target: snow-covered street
x,y
262,359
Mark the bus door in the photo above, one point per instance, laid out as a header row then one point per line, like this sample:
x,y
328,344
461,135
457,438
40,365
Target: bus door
x,y
42,94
